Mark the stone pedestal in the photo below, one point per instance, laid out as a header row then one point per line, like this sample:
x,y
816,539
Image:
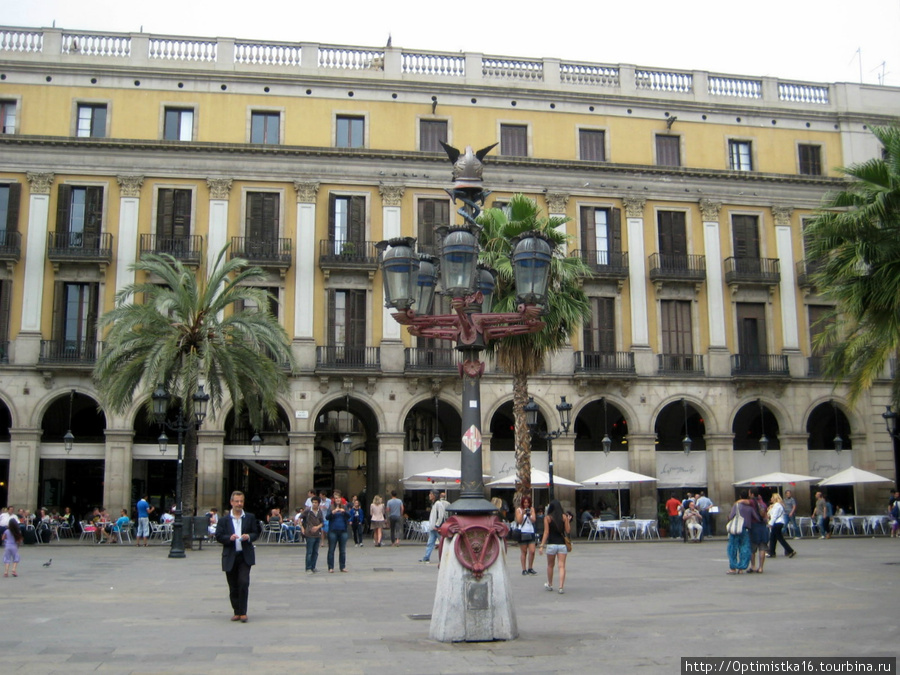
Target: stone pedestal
x,y
467,609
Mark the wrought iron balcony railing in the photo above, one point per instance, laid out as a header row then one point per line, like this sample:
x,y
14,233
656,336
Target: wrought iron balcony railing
x,y
677,267
764,271
274,252
188,249
759,364
72,352
431,358
344,254
10,246
679,363
604,264
348,357
604,362
79,246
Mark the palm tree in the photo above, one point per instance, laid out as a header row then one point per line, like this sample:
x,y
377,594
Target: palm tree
x,y
182,335
855,243
567,307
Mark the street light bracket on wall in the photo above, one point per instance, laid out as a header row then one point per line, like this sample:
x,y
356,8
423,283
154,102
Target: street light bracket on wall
x,y
763,441
69,438
607,441
686,442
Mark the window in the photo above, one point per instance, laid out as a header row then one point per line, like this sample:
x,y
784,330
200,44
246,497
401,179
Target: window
x,y
7,117
349,132
810,159
739,157
599,335
668,150
9,210
179,125
821,317
432,213
75,319
745,236
592,145
601,235
91,121
264,127
271,291
751,325
173,218
677,338
347,224
514,140
261,225
347,325
79,216
431,133
672,233
5,296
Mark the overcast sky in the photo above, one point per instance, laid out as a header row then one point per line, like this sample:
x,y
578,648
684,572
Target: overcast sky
x,y
820,41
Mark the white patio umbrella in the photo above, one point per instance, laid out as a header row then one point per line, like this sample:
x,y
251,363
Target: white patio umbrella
x,y
777,478
538,479
854,476
425,480
617,477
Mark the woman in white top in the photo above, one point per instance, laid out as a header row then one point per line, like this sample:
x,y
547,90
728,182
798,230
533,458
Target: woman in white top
x,y
376,512
777,520
525,519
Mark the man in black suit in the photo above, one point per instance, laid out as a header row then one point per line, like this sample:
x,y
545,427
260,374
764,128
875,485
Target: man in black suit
x,y
237,532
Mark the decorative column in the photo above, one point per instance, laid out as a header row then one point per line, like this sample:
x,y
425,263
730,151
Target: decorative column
x,y
718,357
556,206
784,250
117,469
720,474
210,470
217,233
642,459
304,279
301,466
28,342
24,463
391,198
126,254
390,461
637,277
564,465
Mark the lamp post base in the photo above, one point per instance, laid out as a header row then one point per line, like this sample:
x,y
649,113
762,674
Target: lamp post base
x,y
472,605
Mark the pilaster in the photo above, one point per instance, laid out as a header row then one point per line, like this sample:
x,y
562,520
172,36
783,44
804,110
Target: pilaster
x,y
24,465
210,470
302,466
637,272
117,470
129,212
304,279
28,342
217,236
391,199
785,253
390,466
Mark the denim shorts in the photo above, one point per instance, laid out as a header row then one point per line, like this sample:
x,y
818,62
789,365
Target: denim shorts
x,y
553,549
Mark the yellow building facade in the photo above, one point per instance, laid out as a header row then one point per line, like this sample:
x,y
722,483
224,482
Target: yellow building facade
x,y
687,194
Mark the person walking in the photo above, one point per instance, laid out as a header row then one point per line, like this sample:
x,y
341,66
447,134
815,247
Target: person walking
x,y
357,523
819,514
237,533
311,523
435,519
338,531
395,517
525,518
12,537
376,518
777,522
557,525
739,544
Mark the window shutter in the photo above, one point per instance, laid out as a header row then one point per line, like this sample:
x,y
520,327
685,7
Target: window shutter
x,y
181,213
12,211
588,231
357,225
58,327
164,210
330,298
745,234
5,288
93,213
63,208
615,231
356,318
672,234
253,226
92,316
332,200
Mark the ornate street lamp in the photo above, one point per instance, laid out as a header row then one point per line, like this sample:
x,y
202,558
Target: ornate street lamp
x,y
256,444
838,441
69,438
763,441
531,416
686,442
160,400
437,443
474,526
606,443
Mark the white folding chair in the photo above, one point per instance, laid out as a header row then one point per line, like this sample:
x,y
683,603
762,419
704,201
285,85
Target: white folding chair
x,y
273,530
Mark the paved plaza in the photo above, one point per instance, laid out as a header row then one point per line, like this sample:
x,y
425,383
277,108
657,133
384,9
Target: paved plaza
x,y
629,607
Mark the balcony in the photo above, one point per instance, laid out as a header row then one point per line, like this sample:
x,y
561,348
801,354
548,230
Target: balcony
x,y
604,265
186,249
677,267
443,359
10,246
806,269
343,254
679,364
755,271
79,247
604,362
265,252
759,365
69,352
346,357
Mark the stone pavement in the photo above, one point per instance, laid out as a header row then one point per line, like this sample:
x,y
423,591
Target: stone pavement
x,y
629,607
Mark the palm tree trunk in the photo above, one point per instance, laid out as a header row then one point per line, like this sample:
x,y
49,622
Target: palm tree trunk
x,y
522,436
